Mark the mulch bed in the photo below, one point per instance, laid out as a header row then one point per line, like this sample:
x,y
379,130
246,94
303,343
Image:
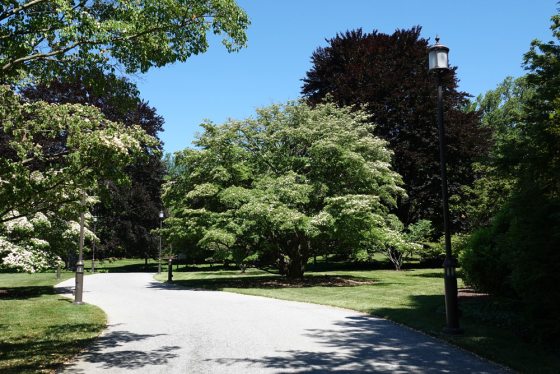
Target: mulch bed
x,y
278,282
308,281
466,293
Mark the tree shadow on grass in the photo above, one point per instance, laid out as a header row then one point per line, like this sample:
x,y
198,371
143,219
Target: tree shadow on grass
x,y
110,353
266,282
362,344
435,274
493,328
27,354
27,292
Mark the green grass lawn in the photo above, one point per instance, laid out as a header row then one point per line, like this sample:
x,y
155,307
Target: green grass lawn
x,y
40,330
412,297
123,265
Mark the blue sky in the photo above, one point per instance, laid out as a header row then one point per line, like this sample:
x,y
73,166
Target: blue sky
x,y
487,39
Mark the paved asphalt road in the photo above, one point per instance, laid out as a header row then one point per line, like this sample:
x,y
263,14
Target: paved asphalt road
x,y
158,329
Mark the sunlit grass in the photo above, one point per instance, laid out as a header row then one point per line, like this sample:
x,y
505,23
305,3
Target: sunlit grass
x,y
40,330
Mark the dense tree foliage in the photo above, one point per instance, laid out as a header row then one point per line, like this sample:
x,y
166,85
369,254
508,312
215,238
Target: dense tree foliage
x,y
54,154
503,113
518,253
43,37
389,74
126,214
39,175
286,183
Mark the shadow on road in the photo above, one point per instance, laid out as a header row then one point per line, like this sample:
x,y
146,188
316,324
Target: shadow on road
x,y
108,352
364,345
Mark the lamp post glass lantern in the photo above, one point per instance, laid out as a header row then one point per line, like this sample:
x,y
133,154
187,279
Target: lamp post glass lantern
x,y
160,227
438,63
438,56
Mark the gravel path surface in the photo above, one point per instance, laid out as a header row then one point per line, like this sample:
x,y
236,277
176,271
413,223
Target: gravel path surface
x,y
158,329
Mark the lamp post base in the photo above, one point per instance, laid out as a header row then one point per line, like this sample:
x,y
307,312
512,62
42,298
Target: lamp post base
x,y
170,270
451,296
78,292
453,330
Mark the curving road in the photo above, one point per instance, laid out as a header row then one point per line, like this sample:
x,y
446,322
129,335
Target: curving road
x,y
158,329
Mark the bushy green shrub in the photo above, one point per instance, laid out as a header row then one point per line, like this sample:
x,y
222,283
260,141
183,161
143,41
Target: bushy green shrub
x,y
483,263
533,241
432,254
519,256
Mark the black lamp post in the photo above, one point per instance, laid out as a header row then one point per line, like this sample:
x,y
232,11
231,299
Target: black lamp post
x,y
93,245
160,227
438,63
78,292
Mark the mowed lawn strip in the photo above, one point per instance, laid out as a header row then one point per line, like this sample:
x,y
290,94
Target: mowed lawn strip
x,y
410,297
40,330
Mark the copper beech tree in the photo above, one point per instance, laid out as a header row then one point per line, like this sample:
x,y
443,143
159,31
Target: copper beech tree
x,y
388,74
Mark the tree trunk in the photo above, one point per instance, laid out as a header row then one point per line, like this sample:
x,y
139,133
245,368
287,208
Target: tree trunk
x,y
396,258
298,257
295,267
282,265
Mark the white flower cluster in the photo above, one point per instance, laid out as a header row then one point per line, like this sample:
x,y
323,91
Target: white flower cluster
x,y
40,219
37,176
73,232
121,144
39,243
25,259
323,219
19,225
73,229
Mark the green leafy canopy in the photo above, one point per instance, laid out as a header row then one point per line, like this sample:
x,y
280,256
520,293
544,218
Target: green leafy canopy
x,y
288,181
42,37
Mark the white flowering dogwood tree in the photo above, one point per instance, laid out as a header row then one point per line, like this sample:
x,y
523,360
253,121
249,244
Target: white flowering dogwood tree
x,y
288,182
52,155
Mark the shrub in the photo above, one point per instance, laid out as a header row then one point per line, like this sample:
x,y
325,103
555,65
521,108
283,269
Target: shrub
x,y
432,254
483,264
519,256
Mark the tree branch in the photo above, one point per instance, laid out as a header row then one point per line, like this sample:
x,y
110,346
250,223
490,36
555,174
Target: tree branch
x,y
40,56
15,11
46,159
25,202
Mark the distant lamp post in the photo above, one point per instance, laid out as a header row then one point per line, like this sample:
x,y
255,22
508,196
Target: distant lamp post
x,y
93,245
160,227
78,292
438,63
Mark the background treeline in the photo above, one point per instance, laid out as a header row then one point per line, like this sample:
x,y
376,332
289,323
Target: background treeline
x,y
503,166
349,170
385,80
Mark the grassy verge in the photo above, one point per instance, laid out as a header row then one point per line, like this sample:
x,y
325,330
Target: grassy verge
x,y
40,330
412,297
